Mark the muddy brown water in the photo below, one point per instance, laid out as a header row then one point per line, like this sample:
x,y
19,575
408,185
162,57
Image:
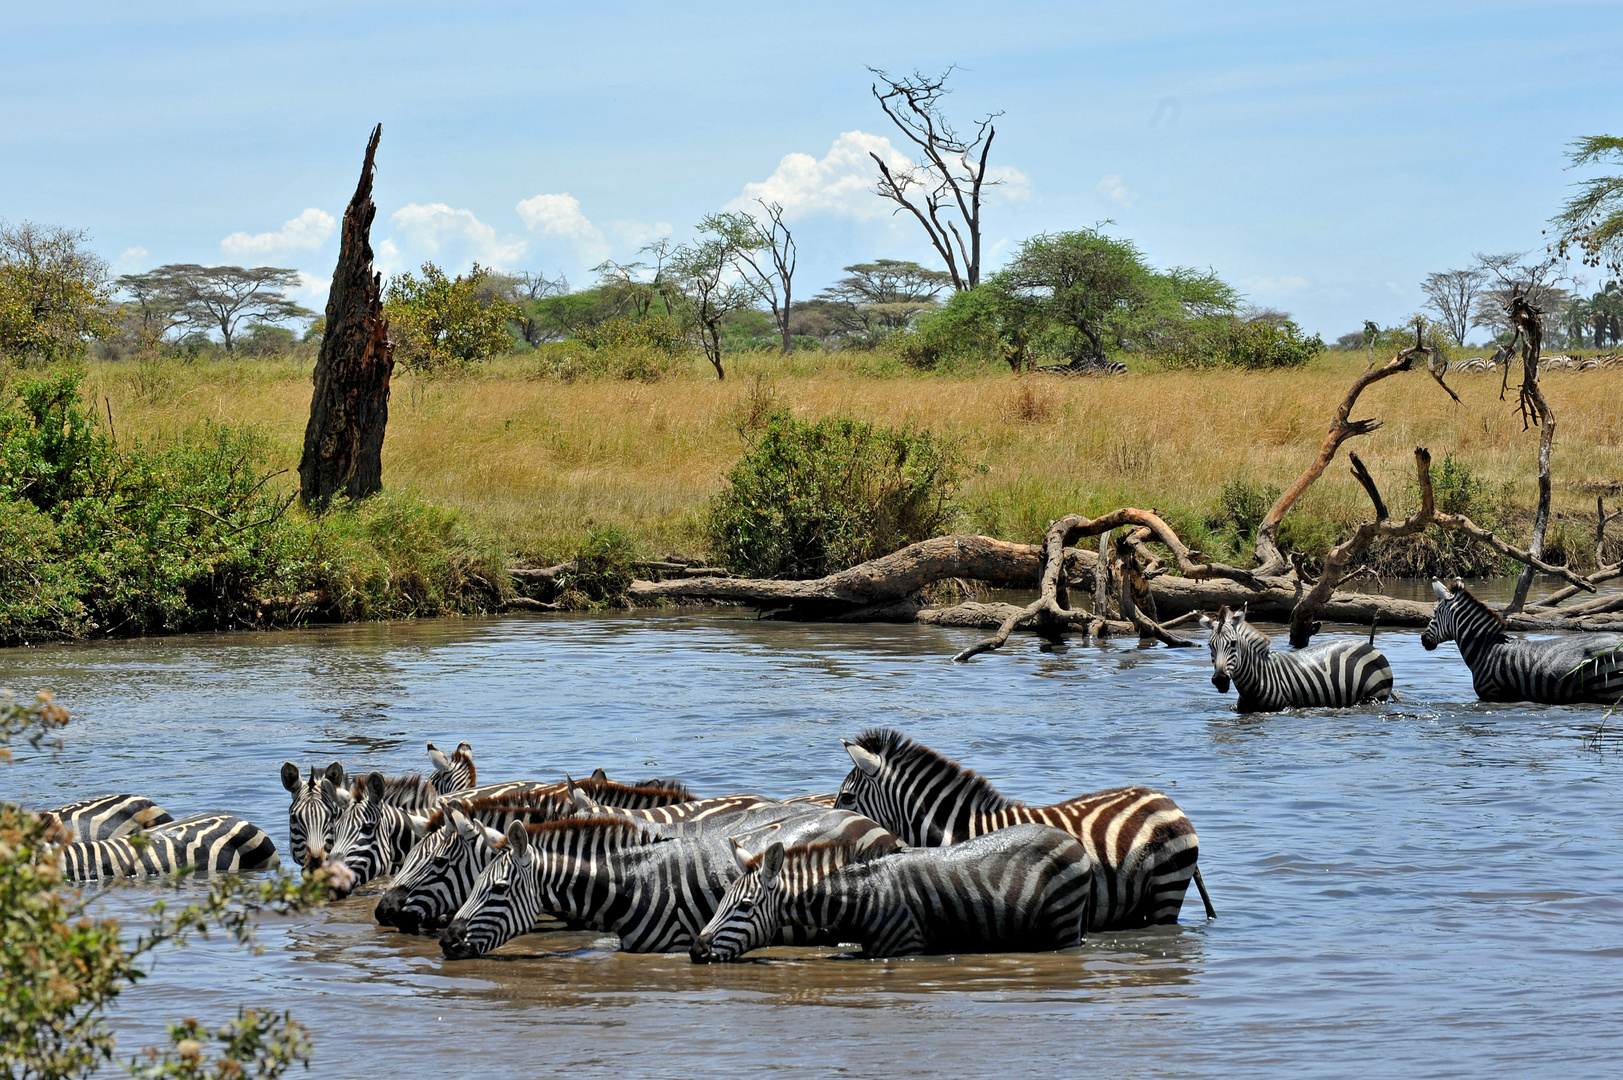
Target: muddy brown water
x,y
1428,888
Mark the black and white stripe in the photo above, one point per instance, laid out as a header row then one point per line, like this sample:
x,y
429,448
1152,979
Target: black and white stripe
x,y
317,802
209,843
1329,674
1143,847
1021,889
1565,670
371,838
105,817
614,874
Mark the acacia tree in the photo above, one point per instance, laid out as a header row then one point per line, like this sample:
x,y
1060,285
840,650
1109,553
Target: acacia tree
x,y
764,256
52,292
635,287
218,297
1508,276
944,189
1593,218
1097,290
704,271
1452,295
879,297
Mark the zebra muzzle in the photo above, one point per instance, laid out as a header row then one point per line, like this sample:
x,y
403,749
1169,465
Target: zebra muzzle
x,y
388,911
700,952
1221,681
454,942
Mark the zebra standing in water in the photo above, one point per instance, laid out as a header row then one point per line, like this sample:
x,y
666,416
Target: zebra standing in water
x,y
614,874
1143,847
211,843
1331,674
436,877
105,817
1021,889
1565,670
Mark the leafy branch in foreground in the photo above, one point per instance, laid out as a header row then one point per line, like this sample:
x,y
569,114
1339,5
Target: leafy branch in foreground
x,y
61,968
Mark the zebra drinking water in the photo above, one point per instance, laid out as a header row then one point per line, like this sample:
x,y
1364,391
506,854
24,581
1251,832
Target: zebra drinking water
x,y
105,817
210,843
613,874
1331,674
1144,849
370,838
1565,670
1025,888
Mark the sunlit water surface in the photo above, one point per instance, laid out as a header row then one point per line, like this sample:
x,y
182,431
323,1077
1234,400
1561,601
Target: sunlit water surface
x,y
1430,888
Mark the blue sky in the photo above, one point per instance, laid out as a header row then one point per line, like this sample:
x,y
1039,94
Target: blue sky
x,y
1323,157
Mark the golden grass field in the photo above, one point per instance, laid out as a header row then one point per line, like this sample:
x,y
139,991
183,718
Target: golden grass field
x,y
536,462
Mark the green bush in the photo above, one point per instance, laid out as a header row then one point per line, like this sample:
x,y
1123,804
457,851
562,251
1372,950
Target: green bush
x,y
1226,341
809,499
440,324
602,571
196,534
656,330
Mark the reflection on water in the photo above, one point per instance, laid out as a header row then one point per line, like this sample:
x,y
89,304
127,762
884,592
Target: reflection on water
x,y
1429,887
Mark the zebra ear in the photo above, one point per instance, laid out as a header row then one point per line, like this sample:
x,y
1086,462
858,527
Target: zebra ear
x,y
374,786
335,773
740,853
418,823
1206,620
1441,590
518,839
866,760
460,822
583,802
599,774
290,776
465,748
437,756
772,863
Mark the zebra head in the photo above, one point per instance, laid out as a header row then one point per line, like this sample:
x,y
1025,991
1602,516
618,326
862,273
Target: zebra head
x,y
453,772
1441,626
439,874
317,802
911,790
504,902
370,838
1233,643
749,913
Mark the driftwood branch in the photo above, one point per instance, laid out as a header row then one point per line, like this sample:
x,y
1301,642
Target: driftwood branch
x,y
1270,561
1350,550
1051,603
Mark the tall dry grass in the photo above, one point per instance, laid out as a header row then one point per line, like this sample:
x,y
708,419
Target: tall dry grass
x,y
539,462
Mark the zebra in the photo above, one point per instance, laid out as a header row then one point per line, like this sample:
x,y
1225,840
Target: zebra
x,y
105,817
371,837
435,877
1025,888
317,802
314,810
211,843
1143,847
1560,671
1331,674
614,874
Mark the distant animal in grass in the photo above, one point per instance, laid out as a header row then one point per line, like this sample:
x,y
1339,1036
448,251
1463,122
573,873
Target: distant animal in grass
x,y
1331,674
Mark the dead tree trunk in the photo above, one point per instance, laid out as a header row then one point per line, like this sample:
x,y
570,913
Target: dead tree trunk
x,y
343,442
1270,561
1534,410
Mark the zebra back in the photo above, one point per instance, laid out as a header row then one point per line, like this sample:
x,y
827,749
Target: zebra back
x,y
104,817
213,844
1144,848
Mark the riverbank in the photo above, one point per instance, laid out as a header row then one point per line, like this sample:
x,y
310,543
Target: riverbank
x,y
511,463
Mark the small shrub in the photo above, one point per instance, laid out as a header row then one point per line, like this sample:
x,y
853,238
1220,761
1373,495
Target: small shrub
x,y
1244,506
1226,341
656,330
808,499
603,570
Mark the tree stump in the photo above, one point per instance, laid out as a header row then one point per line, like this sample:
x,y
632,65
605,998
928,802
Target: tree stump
x,y
343,443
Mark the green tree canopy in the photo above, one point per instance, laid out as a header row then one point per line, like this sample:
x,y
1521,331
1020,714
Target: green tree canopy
x,y
1593,218
209,298
439,322
1097,291
53,293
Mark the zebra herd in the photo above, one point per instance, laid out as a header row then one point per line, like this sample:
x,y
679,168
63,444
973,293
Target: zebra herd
x,y
1565,670
1478,365
914,853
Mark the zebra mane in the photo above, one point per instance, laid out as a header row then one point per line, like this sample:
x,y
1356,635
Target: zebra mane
x,y
907,755
405,788
615,833
829,855
1460,590
548,798
647,793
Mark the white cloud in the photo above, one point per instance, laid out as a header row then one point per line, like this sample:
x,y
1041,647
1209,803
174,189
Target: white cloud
x,y
1112,188
437,229
131,261
635,234
312,291
560,215
306,232
840,182
1011,183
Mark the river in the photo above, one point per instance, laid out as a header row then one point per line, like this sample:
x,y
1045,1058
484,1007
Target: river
x,y
1427,888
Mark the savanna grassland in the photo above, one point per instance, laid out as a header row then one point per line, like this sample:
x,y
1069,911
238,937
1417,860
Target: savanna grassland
x,y
532,462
